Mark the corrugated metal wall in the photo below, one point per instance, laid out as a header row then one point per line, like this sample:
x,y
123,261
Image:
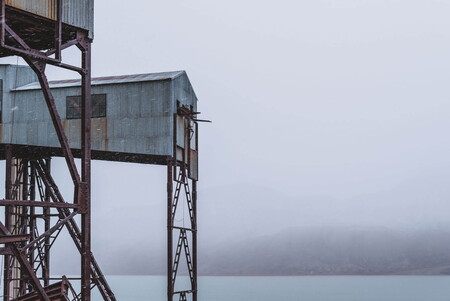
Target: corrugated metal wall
x,y
13,76
139,117
79,13
44,8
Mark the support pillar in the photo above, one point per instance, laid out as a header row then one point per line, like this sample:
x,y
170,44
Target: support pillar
x,y
86,173
8,188
47,222
170,286
182,176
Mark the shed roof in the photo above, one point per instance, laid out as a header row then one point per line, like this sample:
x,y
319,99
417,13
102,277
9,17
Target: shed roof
x,y
108,80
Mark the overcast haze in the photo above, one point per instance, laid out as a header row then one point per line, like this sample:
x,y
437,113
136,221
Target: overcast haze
x,y
324,113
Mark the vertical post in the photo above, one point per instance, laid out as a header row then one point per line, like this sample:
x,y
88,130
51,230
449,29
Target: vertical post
x,y
33,223
46,211
170,288
25,183
195,226
194,239
2,22
8,186
86,172
21,217
58,29
171,173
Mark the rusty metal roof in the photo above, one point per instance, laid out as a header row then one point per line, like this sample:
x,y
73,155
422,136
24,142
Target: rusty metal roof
x,y
108,80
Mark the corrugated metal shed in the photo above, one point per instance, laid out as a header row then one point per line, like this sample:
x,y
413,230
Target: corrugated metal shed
x,y
78,13
138,125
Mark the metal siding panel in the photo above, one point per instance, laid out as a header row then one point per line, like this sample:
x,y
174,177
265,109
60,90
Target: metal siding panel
x,y
134,104
173,108
6,133
184,92
19,133
51,138
79,13
72,130
17,76
180,131
141,127
44,8
32,132
193,165
12,77
136,119
99,128
42,127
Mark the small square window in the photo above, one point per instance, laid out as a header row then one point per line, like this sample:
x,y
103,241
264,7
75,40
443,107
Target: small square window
x,y
98,105
73,107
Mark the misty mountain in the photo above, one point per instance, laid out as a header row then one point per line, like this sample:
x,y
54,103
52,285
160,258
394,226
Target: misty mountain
x,y
249,229
305,251
329,251
237,212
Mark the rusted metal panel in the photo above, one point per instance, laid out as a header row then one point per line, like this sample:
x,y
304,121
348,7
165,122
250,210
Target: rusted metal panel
x,y
99,132
43,8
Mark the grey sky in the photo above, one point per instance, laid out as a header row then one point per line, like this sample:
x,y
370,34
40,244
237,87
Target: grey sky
x,y
313,97
338,99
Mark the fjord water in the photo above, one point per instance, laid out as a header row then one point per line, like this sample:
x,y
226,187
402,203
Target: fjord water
x,y
302,288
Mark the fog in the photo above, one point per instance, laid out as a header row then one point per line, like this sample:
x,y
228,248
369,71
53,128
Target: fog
x,y
325,113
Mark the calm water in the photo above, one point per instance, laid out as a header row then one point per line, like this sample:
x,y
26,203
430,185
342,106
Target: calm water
x,y
305,288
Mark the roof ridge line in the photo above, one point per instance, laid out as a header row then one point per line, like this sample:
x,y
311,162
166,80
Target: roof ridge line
x,y
116,79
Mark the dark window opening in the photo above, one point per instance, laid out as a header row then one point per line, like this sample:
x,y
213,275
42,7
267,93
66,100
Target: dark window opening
x,y
98,105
